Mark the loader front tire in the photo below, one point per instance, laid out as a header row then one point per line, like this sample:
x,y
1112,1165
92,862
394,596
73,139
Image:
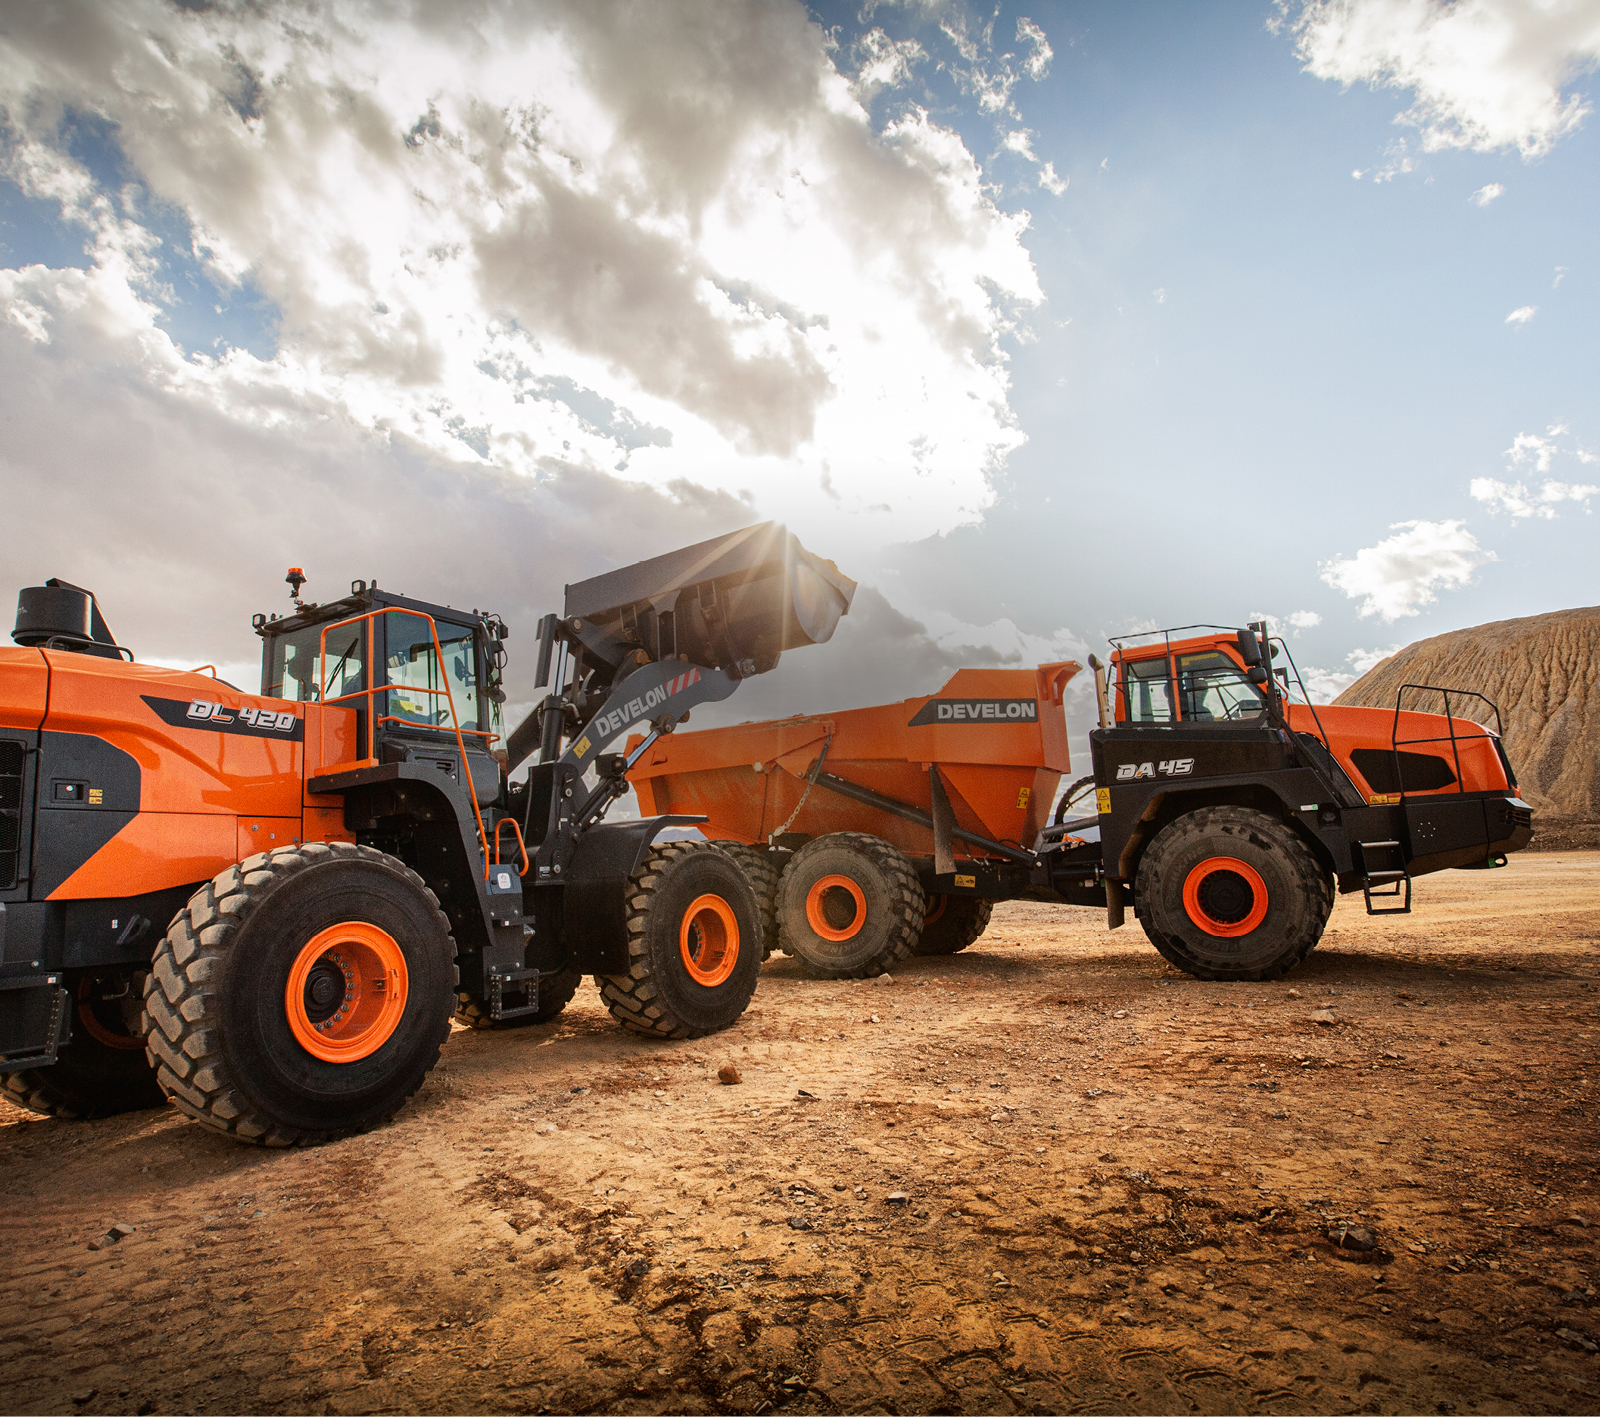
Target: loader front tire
x,y
763,869
694,944
555,993
301,995
952,922
850,906
103,1070
1232,893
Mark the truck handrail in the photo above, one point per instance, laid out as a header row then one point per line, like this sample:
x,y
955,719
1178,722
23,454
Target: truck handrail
x,y
1450,721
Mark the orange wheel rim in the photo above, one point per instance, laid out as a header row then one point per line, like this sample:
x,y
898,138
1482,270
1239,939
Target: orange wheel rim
x,y
708,939
346,992
821,897
935,910
1225,897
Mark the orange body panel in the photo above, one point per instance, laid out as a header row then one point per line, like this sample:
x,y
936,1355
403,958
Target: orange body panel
x,y
154,852
214,784
24,688
1349,728
998,736
182,768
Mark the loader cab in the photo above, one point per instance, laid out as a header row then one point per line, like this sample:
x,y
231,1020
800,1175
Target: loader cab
x,y
412,672
1192,681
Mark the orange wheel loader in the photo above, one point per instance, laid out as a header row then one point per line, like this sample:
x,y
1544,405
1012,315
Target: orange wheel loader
x,y
1228,814
268,907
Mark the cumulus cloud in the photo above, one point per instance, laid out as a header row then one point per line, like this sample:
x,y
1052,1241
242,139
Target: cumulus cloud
x,y
1516,499
1537,453
1296,623
665,243
1486,194
1325,685
1484,75
1405,571
1522,314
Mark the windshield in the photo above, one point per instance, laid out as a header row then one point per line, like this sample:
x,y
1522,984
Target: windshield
x,y
1212,688
292,673
413,670
1147,690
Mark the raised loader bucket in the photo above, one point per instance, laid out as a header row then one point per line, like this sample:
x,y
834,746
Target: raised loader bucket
x,y
735,602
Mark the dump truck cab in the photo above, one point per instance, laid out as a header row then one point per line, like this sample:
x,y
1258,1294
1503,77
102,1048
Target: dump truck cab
x,y
1207,723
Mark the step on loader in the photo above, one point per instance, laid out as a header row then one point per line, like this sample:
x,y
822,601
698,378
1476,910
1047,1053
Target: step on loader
x,y
268,907
1229,810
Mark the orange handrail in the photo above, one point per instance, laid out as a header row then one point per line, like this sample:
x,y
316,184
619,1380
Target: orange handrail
x,y
374,718
522,846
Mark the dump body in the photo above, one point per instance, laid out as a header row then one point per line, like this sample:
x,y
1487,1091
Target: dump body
x,y
997,736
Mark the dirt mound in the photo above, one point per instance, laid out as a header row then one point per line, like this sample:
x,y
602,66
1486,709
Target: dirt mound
x,y
1541,672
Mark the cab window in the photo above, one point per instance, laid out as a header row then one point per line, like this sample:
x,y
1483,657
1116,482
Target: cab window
x,y
293,673
417,678
1147,690
1213,689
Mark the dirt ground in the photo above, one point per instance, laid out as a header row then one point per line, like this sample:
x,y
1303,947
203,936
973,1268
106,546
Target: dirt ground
x,y
1048,1174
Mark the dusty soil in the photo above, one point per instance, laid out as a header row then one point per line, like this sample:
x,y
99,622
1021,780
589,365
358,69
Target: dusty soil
x,y
1120,1187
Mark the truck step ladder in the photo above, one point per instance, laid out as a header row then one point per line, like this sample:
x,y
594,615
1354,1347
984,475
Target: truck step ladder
x,y
520,980
1384,874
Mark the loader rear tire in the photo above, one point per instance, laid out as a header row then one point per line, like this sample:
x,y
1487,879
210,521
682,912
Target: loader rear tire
x,y
301,995
1231,893
763,869
850,906
555,993
103,1070
694,944
952,922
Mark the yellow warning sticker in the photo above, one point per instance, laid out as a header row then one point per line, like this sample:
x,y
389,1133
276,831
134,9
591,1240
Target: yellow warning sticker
x,y
581,746
1384,799
96,796
1022,798
969,882
1102,800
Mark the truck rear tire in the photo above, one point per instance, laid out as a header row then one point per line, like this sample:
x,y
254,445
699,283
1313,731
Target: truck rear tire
x,y
1231,893
850,906
952,922
301,995
555,993
103,1070
694,944
763,870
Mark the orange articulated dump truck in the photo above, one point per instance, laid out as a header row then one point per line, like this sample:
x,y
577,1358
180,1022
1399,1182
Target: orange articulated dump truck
x,y
1230,810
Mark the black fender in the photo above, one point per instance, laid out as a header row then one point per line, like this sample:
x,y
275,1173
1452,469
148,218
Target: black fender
x,y
594,915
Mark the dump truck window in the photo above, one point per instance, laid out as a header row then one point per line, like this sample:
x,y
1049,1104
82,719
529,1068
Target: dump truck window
x,y
1213,689
413,667
1148,686
294,663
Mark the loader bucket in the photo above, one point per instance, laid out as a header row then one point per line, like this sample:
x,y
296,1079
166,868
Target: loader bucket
x,y
739,599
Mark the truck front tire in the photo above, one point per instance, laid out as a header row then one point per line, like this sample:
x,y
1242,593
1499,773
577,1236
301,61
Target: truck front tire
x,y
1231,893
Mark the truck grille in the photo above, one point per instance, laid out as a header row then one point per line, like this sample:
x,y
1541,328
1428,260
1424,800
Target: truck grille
x,y
11,759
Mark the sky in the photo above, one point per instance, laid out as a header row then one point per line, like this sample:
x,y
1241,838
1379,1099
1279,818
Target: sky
x,y
1046,322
